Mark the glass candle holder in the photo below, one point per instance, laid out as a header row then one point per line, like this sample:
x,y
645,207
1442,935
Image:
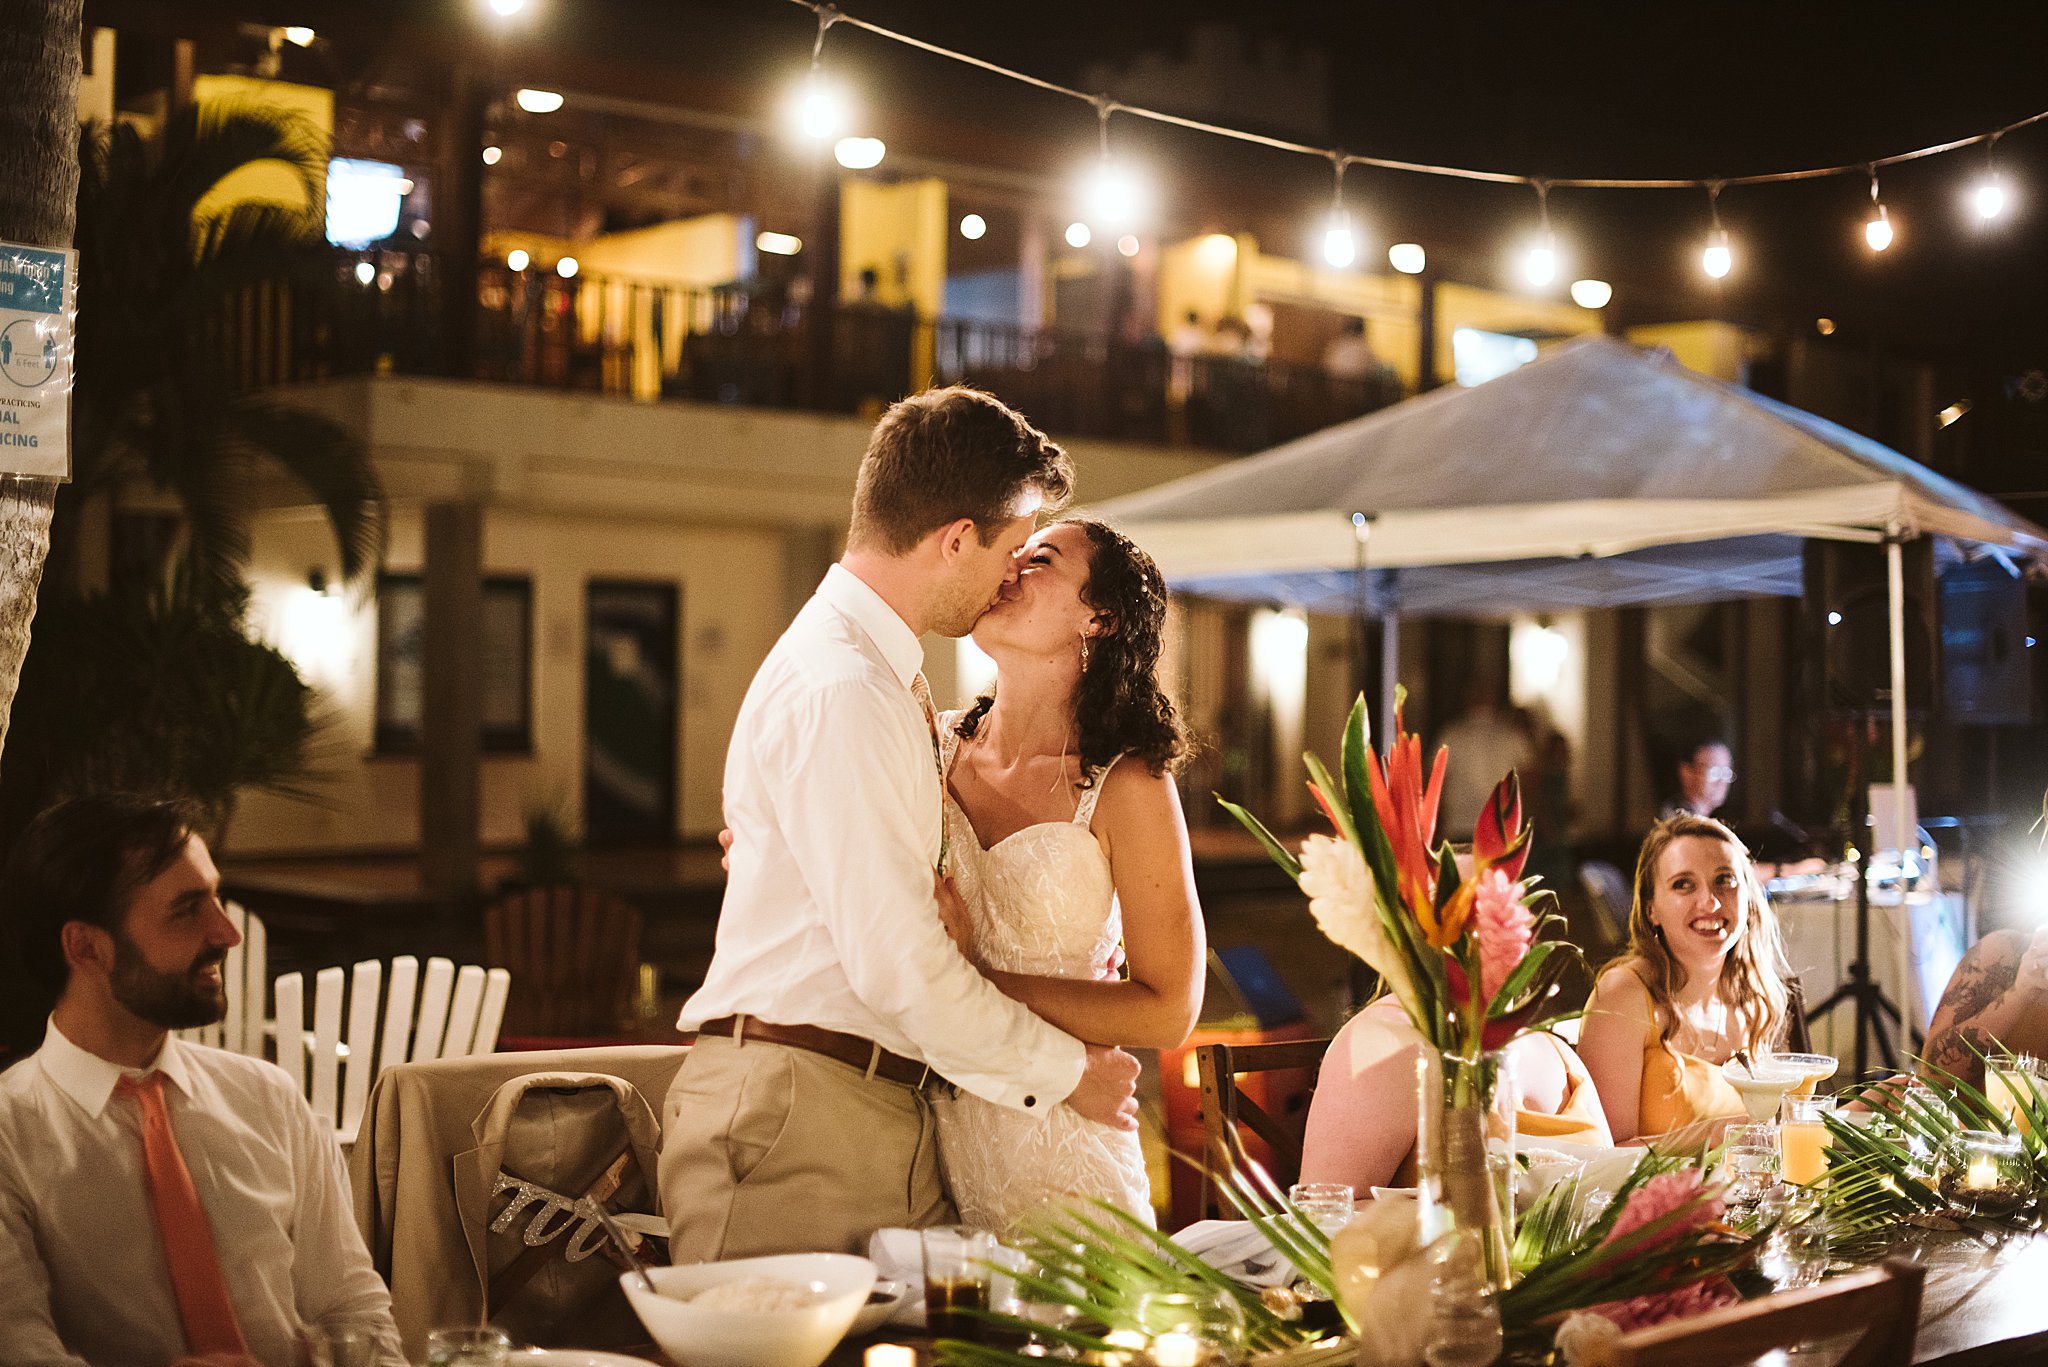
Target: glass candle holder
x,y
1982,1173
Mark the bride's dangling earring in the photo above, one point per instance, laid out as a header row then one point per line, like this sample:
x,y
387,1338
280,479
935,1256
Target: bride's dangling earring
x,y
1084,653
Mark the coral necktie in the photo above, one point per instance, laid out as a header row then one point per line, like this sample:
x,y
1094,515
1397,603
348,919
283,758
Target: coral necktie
x,y
203,1304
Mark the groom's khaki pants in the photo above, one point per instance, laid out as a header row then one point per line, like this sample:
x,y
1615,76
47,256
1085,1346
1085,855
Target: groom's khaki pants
x,y
769,1149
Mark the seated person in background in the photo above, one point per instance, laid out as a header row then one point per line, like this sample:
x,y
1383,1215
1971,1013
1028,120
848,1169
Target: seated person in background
x,y
1361,1124
1997,997
1703,977
160,1202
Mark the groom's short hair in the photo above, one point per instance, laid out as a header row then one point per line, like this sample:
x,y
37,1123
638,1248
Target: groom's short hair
x,y
946,454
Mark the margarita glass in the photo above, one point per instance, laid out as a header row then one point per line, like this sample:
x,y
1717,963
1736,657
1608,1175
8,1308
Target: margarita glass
x,y
1763,1083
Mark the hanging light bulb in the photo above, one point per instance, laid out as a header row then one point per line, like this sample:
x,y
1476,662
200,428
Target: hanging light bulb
x,y
1078,235
1111,192
859,154
1592,294
820,112
1340,249
1878,231
1990,198
1539,266
1717,260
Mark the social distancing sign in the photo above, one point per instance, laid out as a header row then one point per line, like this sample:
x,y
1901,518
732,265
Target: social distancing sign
x,y
38,305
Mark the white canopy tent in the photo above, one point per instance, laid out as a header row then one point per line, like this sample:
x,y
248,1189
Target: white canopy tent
x,y
1597,475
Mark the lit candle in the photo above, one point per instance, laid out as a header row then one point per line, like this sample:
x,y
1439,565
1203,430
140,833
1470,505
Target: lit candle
x,y
1176,1350
1983,1173
890,1355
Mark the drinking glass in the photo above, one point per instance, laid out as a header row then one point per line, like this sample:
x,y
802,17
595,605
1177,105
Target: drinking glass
x,y
468,1346
1803,1139
956,1278
1796,1252
339,1347
1329,1206
1750,1162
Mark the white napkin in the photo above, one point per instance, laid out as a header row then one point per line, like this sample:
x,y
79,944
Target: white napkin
x,y
1237,1250
899,1256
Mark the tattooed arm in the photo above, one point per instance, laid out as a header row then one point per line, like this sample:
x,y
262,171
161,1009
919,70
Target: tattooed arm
x,y
1999,995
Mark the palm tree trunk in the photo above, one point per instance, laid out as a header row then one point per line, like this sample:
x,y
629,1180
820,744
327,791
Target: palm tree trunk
x,y
39,67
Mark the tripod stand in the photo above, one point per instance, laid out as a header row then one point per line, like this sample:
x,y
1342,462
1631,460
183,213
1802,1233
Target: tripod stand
x,y
1871,1004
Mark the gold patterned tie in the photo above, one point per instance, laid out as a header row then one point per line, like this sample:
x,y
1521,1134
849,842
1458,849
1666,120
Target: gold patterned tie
x,y
921,689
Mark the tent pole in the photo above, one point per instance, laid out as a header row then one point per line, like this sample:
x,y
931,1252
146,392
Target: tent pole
x,y
1895,583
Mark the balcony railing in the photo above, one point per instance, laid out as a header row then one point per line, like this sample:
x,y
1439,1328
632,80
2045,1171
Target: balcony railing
x,y
763,348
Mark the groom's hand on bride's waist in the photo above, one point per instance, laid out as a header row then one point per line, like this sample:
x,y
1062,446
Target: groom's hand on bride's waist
x,y
1108,1091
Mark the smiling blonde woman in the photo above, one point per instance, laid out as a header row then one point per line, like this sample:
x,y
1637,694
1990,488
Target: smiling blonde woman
x,y
1704,978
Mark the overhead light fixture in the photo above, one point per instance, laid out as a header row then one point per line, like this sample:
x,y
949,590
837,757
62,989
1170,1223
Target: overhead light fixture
x,y
517,259
1079,235
1592,294
538,101
1340,248
506,9
299,36
1539,267
1990,198
1407,258
778,244
973,227
567,267
365,272
820,112
859,154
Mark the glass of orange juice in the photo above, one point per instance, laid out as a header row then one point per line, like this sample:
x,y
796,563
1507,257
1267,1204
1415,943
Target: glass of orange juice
x,y
1803,1140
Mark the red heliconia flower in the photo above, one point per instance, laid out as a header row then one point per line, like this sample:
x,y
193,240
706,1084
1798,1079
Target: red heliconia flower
x,y
1405,794
1328,811
1501,840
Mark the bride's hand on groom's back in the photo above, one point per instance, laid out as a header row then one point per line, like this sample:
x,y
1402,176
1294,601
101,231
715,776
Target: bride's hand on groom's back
x,y
1108,1092
953,914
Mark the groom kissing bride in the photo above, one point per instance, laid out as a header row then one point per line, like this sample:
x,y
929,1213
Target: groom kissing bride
x,y
862,1012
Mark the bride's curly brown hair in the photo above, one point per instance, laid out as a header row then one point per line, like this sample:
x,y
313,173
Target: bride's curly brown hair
x,y
1118,705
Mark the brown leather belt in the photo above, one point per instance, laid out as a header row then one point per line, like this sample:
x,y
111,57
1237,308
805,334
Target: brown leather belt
x,y
851,1050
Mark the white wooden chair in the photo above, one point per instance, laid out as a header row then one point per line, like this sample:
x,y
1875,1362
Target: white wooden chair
x,y
246,1028
458,1014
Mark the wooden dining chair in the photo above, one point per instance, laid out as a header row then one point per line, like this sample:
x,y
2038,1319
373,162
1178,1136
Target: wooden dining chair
x,y
458,1014
575,953
1263,1088
1881,1305
246,1027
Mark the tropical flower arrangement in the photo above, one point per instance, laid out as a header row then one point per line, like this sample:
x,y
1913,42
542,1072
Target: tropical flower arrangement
x,y
1471,957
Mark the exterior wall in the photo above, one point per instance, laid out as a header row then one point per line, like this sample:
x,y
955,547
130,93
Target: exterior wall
x,y
1469,306
739,508
1718,349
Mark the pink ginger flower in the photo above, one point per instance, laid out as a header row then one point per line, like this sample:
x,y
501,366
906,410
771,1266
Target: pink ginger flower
x,y
1691,1299
1659,1197
1504,927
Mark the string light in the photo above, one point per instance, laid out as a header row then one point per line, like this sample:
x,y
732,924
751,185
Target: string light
x,y
538,101
1592,294
1878,231
820,112
1540,265
493,155
517,259
1990,196
567,267
973,227
1340,248
1112,191
1716,260
1078,235
1128,245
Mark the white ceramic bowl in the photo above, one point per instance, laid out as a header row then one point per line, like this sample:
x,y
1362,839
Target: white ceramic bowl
x,y
695,1336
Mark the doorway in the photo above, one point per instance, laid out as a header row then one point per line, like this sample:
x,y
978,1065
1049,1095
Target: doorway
x,y
631,666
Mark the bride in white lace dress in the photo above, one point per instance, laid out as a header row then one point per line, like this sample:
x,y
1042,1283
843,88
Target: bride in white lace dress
x,y
1067,837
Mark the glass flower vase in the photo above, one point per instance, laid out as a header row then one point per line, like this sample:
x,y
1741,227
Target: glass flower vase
x,y
1464,1151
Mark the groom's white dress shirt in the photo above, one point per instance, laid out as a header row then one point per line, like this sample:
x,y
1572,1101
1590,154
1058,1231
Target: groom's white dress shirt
x,y
832,794
82,1274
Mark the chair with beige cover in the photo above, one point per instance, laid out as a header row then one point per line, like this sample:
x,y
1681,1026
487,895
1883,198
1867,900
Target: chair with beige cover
x,y
246,974
1880,1305
438,1137
458,1014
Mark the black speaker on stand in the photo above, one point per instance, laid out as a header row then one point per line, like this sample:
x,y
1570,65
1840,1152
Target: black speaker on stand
x,y
1848,606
